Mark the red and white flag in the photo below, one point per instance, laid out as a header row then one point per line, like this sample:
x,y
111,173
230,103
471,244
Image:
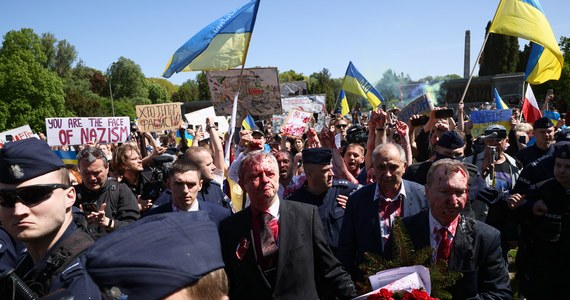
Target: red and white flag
x,y
530,109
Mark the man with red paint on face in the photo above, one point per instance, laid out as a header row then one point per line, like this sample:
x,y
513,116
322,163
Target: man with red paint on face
x,y
469,246
276,249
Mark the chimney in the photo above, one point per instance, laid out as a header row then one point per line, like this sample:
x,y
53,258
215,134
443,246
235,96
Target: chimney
x,y
467,55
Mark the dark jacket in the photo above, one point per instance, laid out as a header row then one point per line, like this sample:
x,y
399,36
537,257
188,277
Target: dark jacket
x,y
476,252
122,206
304,257
216,212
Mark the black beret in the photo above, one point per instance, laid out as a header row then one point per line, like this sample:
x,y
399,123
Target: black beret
x,y
157,255
543,122
563,135
451,140
562,150
319,156
26,159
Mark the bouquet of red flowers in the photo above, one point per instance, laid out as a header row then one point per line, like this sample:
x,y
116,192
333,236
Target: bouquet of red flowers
x,y
415,294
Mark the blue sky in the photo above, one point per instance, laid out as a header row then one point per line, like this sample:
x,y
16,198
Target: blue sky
x,y
418,38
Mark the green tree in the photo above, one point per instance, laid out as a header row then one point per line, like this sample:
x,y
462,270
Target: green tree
x,y
48,41
188,91
322,83
64,59
390,83
169,86
501,54
203,89
291,76
157,93
127,79
29,92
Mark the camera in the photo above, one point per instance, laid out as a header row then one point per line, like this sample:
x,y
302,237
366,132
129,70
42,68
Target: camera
x,y
422,120
444,113
158,175
134,127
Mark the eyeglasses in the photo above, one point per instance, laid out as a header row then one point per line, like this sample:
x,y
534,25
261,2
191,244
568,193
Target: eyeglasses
x,y
339,126
29,195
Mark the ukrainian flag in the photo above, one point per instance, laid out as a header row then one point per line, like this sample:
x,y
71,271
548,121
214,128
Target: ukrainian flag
x,y
248,123
498,101
188,136
68,157
221,45
344,109
355,83
525,19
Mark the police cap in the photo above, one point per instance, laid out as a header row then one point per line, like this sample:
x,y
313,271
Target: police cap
x,y
562,150
156,256
450,140
543,122
319,156
26,159
563,135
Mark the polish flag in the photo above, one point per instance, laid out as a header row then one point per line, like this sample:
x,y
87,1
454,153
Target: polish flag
x,y
530,109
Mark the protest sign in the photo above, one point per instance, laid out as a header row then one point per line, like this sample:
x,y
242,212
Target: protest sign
x,y
482,119
159,117
420,106
198,119
77,131
16,134
277,122
308,103
259,94
296,123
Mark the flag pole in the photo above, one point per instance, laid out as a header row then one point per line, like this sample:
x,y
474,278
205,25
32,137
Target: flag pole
x,y
234,106
474,66
523,95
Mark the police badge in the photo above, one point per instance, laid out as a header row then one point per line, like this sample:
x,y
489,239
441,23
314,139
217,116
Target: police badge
x,y
16,171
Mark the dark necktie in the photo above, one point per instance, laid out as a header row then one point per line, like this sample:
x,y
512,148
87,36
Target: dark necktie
x,y
444,248
268,244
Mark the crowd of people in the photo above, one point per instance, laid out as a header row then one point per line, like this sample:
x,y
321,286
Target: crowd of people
x,y
288,217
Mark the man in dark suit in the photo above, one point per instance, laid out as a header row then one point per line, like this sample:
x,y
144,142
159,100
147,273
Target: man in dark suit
x,y
469,246
276,249
184,182
371,211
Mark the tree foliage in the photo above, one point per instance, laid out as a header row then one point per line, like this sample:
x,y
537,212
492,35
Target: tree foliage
x,y
291,75
322,83
501,54
203,89
28,91
127,79
188,91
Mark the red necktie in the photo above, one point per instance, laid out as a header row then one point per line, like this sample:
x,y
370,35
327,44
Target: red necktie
x,y
444,248
268,244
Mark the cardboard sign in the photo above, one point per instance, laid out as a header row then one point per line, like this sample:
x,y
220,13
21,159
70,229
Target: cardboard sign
x,y
308,103
259,94
420,106
159,117
77,131
484,118
296,123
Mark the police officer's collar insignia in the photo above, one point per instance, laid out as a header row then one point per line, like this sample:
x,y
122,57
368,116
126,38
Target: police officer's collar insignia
x,y
16,171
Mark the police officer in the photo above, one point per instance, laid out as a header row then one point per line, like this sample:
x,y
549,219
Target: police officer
x,y
165,256
540,169
544,135
320,189
36,200
549,244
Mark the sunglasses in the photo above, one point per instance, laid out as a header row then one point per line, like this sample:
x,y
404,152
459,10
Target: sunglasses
x,y
341,126
29,195
91,151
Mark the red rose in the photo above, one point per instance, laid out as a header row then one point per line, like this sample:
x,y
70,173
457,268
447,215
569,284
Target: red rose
x,y
382,294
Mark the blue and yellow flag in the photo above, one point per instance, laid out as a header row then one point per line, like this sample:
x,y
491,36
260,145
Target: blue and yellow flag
x,y
248,123
525,19
188,136
355,83
498,101
221,45
68,157
344,109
